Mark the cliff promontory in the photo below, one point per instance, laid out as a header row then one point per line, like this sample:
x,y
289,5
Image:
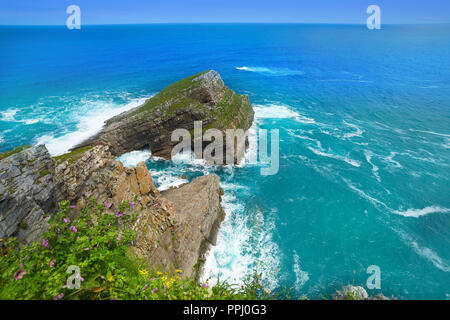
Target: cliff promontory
x,y
201,97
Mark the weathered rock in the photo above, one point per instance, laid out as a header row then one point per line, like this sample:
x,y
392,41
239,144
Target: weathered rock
x,y
195,215
201,97
351,293
27,193
95,173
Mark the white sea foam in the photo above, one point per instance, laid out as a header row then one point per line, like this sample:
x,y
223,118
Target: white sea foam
x,y
321,152
301,276
131,159
364,195
240,248
415,213
432,132
275,111
422,251
271,71
166,180
369,155
88,125
357,133
390,159
9,115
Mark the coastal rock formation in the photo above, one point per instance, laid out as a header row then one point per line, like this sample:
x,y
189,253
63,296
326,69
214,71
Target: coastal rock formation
x,y
199,214
181,241
27,193
201,97
95,173
174,228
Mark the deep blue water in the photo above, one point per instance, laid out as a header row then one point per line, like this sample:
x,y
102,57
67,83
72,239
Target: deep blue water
x,y
364,120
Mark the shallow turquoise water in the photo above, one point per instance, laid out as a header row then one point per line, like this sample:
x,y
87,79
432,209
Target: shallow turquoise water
x,y
364,120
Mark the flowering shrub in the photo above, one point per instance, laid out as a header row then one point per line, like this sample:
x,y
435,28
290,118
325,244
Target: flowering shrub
x,y
96,242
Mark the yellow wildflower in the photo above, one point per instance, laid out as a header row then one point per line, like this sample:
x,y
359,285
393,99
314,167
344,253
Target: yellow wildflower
x,y
179,271
143,272
159,273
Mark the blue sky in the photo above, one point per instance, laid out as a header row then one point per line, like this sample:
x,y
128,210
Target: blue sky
x,y
26,12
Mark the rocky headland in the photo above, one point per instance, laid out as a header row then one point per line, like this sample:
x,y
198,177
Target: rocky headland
x,y
177,226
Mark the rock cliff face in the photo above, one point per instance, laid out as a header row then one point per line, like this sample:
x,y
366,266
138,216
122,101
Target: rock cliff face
x,y
195,216
27,193
201,97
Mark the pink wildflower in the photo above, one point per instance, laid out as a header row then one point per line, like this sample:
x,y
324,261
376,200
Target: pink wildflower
x,y
52,263
59,296
19,274
73,229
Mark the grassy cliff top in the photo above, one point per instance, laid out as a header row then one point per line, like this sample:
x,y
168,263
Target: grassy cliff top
x,y
171,92
8,153
190,93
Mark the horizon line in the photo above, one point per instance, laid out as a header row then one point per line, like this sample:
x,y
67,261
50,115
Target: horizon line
x,y
262,22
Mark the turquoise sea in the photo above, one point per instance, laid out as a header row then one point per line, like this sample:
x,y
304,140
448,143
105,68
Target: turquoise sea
x,y
364,121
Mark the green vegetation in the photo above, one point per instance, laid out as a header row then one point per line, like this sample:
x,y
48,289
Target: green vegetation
x,y
6,154
172,92
43,173
72,156
98,243
230,112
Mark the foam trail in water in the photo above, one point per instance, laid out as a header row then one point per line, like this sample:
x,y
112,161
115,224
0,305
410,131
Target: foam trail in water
x,y
415,213
9,115
271,71
131,159
369,155
88,125
239,248
357,133
301,277
424,252
321,152
274,111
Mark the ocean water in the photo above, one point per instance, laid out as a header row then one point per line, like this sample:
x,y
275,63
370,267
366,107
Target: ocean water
x,y
364,121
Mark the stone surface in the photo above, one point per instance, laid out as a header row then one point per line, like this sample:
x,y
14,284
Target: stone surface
x,y
198,213
27,193
352,293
